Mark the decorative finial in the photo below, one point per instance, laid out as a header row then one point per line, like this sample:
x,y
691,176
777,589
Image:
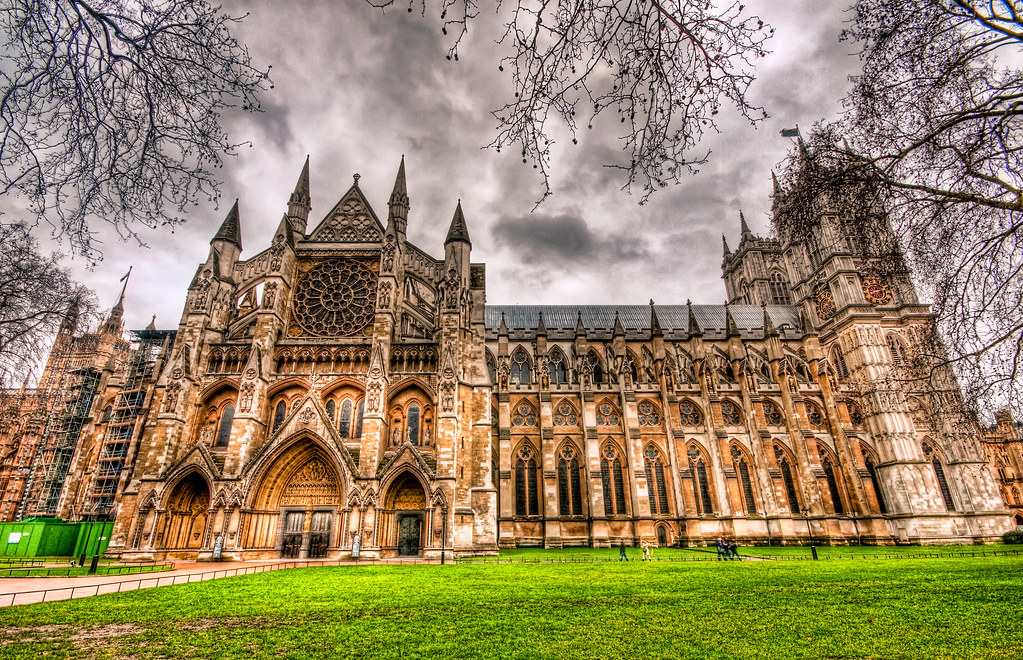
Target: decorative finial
x,y
651,302
356,176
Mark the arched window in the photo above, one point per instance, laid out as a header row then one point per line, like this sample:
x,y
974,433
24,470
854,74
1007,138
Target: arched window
x,y
520,368
787,480
832,479
731,413
106,413
773,414
939,473
565,415
701,485
596,371
656,486
412,425
358,419
556,367
780,290
224,431
280,412
872,471
855,415
897,351
815,416
742,469
570,499
491,369
838,360
613,482
344,423
690,412
649,415
523,415
527,495
607,414
331,409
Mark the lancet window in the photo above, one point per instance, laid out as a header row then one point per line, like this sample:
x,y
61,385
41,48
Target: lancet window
x,y
556,367
742,469
656,485
570,498
832,480
613,481
701,485
786,476
527,493
897,351
280,413
868,463
411,423
939,474
520,371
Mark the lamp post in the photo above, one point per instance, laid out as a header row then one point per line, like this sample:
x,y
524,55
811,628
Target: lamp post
x,y
444,532
806,517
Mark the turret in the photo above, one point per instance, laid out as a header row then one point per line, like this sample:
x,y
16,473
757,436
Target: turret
x,y
398,205
457,244
227,242
299,203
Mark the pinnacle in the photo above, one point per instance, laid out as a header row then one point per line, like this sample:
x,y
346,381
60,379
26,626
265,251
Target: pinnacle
x,y
458,231
302,186
399,182
743,227
724,244
230,231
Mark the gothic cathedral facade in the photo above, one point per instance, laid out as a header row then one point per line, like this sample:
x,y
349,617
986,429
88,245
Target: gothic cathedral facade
x,y
344,390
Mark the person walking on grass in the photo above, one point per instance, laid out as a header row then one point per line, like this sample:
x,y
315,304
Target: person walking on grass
x,y
621,552
722,549
733,550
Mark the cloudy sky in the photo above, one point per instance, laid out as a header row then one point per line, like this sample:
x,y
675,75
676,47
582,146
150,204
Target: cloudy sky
x,y
356,89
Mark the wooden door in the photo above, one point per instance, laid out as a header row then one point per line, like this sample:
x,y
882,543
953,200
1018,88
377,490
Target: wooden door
x,y
409,533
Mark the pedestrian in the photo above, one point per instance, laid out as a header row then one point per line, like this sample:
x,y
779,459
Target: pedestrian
x,y
733,550
722,550
621,552
646,551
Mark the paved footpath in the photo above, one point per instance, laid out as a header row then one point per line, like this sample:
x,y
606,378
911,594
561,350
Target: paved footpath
x,y
23,591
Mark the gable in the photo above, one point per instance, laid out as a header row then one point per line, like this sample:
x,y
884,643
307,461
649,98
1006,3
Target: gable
x,y
350,221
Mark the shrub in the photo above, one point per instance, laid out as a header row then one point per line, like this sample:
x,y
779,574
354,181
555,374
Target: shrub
x,y
1014,536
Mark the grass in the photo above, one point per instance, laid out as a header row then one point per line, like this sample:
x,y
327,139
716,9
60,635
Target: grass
x,y
68,571
911,608
779,552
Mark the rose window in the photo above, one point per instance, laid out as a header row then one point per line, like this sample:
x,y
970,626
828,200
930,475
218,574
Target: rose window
x,y
336,298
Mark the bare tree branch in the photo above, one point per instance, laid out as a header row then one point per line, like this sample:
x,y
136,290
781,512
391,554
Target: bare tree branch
x,y
112,109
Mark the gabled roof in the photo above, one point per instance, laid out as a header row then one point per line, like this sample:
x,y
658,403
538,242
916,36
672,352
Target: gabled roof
x,y
358,225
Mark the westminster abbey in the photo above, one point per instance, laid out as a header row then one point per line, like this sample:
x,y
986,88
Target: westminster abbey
x,y
344,390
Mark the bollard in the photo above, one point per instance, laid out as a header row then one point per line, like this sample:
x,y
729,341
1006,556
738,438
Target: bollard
x,y
94,564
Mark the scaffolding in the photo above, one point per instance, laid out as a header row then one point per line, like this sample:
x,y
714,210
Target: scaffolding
x,y
67,431
125,422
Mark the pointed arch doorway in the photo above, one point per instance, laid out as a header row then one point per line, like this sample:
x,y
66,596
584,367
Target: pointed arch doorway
x,y
406,500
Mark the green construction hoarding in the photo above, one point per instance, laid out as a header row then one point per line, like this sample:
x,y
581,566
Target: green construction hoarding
x,y
52,537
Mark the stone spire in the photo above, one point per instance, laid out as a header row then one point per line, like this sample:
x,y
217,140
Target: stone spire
x,y
152,323
115,322
230,231
618,330
580,329
694,325
743,227
655,323
398,206
458,231
724,244
299,202
770,330
503,328
541,329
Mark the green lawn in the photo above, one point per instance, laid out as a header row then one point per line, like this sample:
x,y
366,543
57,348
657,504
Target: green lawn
x,y
906,608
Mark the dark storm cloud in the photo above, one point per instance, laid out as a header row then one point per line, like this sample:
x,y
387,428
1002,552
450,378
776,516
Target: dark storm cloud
x,y
563,241
356,89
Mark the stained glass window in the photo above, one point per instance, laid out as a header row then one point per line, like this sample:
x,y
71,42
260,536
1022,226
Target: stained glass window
x,y
564,415
648,414
690,413
336,298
